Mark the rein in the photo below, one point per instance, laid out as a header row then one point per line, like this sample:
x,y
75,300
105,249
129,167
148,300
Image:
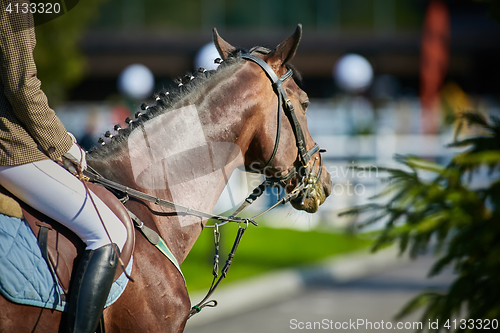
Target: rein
x,y
94,177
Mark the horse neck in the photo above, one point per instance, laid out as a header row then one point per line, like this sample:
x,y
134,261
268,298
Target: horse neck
x,y
185,156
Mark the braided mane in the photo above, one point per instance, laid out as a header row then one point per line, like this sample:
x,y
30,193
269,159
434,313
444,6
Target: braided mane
x,y
164,101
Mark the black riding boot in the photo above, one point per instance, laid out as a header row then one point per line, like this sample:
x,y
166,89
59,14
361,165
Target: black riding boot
x,y
91,285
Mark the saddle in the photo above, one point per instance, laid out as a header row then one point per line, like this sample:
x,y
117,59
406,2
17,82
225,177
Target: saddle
x,y
59,245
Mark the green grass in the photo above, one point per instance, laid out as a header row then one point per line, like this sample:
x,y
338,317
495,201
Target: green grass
x,y
261,250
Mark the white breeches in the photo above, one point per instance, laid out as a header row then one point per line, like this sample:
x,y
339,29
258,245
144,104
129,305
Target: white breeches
x,y
52,190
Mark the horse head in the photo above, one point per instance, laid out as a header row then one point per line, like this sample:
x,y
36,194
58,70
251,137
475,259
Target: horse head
x,y
280,145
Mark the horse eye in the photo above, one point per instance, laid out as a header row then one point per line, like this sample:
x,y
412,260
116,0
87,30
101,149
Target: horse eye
x,y
305,104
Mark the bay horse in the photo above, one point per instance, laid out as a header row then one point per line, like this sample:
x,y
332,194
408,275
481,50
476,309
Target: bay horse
x,y
217,121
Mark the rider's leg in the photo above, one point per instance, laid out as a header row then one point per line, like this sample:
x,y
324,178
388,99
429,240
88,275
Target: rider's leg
x,y
51,189
58,194
91,284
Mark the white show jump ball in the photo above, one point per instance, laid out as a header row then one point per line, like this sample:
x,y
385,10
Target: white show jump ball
x,y
353,73
136,81
206,56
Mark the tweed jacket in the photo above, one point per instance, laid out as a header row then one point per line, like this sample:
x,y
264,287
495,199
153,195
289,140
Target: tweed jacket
x,y
29,129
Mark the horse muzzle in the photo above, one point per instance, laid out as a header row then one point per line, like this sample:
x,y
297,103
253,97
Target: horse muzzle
x,y
314,192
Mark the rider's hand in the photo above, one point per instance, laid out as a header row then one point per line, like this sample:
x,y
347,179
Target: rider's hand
x,y
75,156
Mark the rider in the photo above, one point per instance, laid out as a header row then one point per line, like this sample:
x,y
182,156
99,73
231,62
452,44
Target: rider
x,y
32,138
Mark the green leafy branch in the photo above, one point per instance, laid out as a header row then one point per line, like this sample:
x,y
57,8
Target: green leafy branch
x,y
432,206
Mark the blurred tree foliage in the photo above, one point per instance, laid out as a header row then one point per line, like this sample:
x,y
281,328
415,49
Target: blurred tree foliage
x,y
439,207
494,8
321,15
60,63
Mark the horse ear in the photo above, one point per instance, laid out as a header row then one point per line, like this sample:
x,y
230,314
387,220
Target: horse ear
x,y
286,50
222,46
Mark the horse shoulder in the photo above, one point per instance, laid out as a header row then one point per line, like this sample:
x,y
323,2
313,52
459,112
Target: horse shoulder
x,y
157,300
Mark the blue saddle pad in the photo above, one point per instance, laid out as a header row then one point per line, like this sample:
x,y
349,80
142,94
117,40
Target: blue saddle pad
x,y
25,277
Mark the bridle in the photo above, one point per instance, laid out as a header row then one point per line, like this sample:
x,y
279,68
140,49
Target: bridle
x,y
301,168
284,103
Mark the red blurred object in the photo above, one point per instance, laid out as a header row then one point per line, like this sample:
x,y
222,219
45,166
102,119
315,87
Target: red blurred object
x,y
119,113
433,62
